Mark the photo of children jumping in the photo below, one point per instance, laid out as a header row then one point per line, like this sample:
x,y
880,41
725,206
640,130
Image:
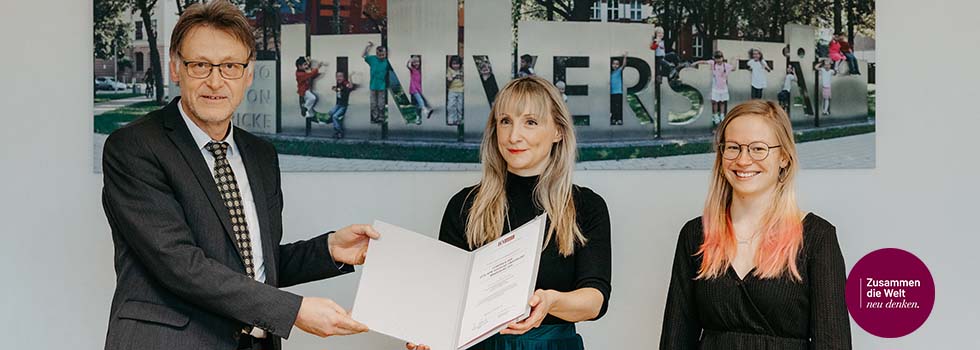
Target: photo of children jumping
x,y
372,85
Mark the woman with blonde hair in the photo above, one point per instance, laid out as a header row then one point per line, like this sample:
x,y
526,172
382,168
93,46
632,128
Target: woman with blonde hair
x,y
756,272
528,154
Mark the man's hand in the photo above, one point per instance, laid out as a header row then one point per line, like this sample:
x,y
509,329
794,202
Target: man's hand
x,y
349,244
323,318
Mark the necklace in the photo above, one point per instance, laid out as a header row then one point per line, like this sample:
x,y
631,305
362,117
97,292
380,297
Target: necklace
x,y
747,240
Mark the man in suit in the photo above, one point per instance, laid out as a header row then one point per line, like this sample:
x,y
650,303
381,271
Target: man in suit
x,y
195,208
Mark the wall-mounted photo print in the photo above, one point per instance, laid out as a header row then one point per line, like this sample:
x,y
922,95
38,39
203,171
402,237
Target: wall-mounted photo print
x,y
381,85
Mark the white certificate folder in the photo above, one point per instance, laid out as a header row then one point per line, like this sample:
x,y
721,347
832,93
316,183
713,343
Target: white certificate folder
x,y
422,290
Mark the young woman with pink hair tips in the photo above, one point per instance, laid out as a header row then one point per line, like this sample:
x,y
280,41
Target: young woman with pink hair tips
x,y
754,271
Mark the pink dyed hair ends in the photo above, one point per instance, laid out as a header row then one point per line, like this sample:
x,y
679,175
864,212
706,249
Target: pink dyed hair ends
x,y
782,234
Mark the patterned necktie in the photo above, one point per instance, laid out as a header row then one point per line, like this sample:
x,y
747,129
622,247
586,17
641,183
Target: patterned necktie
x,y
228,188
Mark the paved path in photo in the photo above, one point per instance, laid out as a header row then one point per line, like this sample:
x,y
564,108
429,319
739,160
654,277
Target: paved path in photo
x,y
850,152
856,151
106,106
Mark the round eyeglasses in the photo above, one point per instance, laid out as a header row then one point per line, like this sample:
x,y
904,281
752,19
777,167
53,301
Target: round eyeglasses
x,y
757,150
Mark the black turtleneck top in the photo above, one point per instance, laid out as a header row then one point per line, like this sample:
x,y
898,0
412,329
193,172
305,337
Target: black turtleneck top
x,y
589,267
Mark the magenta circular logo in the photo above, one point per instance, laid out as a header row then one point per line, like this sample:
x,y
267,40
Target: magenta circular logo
x,y
890,293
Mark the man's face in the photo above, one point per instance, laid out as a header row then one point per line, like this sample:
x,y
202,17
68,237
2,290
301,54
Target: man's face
x,y
212,99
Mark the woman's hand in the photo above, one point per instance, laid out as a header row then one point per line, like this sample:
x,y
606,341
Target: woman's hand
x,y
413,346
541,303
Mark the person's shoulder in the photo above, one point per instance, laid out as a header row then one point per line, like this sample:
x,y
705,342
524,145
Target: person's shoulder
x,y
691,234
818,232
589,205
693,228
249,140
814,225
585,195
463,196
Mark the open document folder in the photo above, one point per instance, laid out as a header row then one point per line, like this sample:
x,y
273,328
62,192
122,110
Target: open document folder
x,y
422,290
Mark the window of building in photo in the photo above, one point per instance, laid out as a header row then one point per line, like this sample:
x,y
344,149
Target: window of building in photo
x,y
697,42
612,10
139,61
139,30
617,10
636,11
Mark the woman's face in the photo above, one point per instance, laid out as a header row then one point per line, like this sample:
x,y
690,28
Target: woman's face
x,y
525,139
748,175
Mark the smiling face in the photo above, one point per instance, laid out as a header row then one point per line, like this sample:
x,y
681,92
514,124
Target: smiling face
x,y
747,176
210,100
526,132
615,64
416,62
381,52
756,55
340,77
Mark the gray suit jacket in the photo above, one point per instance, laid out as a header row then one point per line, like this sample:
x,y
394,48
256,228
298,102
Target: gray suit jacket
x,y
180,281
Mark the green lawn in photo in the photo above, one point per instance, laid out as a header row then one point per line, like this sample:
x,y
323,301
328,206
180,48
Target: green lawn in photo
x,y
108,122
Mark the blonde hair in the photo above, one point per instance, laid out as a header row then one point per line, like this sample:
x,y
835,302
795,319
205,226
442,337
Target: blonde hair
x,y
217,14
553,191
782,231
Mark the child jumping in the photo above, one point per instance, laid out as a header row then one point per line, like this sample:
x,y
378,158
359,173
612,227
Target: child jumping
x,y
720,68
379,74
785,93
415,88
759,68
343,89
659,51
454,87
305,73
616,90
826,74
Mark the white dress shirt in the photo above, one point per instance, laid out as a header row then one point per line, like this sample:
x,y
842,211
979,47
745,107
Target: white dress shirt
x,y
201,139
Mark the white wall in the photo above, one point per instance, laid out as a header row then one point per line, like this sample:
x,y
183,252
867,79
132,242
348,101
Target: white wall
x,y
56,254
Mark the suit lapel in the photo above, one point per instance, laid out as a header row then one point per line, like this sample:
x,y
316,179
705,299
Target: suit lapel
x,y
182,139
256,177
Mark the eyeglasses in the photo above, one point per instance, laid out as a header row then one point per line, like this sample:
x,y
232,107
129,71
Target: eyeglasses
x,y
757,150
228,70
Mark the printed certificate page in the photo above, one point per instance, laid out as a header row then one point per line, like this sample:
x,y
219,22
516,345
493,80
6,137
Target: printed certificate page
x,y
501,281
